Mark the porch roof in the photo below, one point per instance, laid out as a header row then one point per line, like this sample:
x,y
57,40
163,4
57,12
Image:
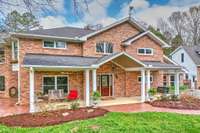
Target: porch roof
x,y
66,61
164,65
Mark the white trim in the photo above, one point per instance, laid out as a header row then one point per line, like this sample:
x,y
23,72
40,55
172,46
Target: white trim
x,y
153,36
113,25
117,55
170,60
55,78
87,87
175,50
143,85
76,39
94,80
13,51
145,52
32,91
54,41
75,67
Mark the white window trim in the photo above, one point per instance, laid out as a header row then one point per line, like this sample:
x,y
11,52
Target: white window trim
x,y
13,53
104,49
144,51
151,77
55,77
55,44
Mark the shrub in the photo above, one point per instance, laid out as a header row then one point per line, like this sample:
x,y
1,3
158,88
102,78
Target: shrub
x,y
74,105
96,96
164,98
174,97
183,87
152,91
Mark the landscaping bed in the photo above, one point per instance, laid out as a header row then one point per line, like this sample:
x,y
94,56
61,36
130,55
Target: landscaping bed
x,y
184,102
51,117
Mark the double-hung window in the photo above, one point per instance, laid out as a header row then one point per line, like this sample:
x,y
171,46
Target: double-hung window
x,y
15,50
104,47
2,83
145,51
54,44
55,83
2,55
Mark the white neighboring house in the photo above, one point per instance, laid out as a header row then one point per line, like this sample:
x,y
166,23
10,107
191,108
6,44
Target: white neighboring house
x,y
189,58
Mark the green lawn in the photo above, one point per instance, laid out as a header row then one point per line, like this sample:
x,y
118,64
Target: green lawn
x,y
123,123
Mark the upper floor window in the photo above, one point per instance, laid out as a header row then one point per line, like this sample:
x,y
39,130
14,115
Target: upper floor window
x,y
2,83
15,52
55,44
145,51
2,55
182,57
104,47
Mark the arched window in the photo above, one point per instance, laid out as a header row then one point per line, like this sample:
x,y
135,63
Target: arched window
x,y
104,47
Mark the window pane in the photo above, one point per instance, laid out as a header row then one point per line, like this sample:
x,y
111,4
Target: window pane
x,y
46,88
141,51
60,44
62,83
2,83
100,47
49,81
149,51
139,79
104,80
2,55
109,48
49,44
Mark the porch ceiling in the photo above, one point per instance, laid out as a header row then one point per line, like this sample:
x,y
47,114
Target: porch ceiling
x,y
126,62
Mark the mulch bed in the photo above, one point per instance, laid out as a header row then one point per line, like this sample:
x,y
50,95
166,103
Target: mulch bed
x,y
51,117
185,102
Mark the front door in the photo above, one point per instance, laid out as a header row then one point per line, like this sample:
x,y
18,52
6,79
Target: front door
x,y
105,84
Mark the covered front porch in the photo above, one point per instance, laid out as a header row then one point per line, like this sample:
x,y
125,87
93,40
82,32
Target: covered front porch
x,y
119,78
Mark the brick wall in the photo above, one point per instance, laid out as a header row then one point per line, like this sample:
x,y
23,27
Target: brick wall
x,y
6,70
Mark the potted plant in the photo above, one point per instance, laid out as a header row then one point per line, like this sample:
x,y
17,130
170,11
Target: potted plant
x,y
95,97
152,92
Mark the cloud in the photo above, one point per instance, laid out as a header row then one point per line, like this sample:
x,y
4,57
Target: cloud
x,y
57,21
151,13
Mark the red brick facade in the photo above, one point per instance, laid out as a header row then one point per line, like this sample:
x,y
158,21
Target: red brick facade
x,y
125,83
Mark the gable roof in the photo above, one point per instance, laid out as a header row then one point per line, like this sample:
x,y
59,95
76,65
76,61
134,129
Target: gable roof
x,y
127,19
131,39
192,51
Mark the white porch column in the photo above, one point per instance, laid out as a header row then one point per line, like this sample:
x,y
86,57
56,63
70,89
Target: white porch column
x,y
142,85
31,93
87,87
177,83
94,78
148,83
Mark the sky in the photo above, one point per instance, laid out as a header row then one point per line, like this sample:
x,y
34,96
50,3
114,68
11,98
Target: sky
x,y
108,11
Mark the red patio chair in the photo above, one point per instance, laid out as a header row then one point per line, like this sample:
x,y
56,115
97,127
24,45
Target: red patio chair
x,y
73,95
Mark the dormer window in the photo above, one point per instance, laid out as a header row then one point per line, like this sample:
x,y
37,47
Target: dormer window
x,y
54,44
145,51
104,47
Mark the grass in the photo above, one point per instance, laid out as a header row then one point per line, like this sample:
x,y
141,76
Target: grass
x,y
149,122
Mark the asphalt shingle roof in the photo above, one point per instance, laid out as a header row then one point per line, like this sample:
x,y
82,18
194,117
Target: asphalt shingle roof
x,y
193,53
160,64
70,32
58,60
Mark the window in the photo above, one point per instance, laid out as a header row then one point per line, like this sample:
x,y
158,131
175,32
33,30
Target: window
x,y
55,44
15,50
54,83
182,57
172,80
164,80
104,47
145,51
2,83
193,78
2,55
140,79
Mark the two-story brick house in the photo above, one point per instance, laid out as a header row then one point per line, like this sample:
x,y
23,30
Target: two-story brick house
x,y
120,60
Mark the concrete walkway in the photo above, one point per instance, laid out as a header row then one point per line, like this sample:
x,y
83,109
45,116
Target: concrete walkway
x,y
143,107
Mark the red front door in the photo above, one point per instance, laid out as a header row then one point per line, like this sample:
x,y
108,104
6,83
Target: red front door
x,y
105,84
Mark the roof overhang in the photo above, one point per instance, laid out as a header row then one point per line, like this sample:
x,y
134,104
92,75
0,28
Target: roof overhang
x,y
37,36
151,35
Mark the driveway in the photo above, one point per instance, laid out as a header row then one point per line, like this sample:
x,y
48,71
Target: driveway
x,y
143,107
9,107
